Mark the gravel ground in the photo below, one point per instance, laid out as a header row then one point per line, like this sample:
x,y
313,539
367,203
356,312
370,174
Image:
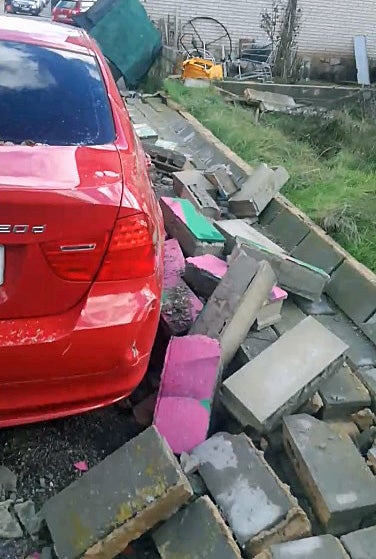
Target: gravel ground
x,y
43,456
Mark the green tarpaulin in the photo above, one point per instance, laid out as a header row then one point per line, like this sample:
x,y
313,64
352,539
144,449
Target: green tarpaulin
x,y
125,35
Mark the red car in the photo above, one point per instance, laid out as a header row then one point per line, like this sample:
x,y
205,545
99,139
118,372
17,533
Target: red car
x,y
65,10
81,232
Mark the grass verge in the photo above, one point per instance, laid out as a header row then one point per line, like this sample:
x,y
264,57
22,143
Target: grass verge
x,y
332,163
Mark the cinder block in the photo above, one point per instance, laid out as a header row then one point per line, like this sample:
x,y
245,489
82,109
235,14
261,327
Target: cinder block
x,y
318,251
369,328
233,229
270,313
279,380
189,380
361,352
118,500
195,532
222,181
338,482
353,292
291,316
196,235
232,308
254,344
343,394
197,194
287,229
174,263
293,275
259,509
180,309
361,544
190,177
318,547
368,378
203,273
271,211
255,193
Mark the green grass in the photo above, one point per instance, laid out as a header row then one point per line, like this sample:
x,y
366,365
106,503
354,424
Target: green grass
x,y
332,163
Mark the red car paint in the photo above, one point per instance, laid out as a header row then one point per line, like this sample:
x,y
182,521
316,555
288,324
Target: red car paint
x,y
76,330
65,10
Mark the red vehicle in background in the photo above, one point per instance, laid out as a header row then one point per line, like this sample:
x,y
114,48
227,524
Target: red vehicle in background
x,y
65,10
81,232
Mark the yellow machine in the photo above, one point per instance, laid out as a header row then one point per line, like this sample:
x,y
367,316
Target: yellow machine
x,y
201,69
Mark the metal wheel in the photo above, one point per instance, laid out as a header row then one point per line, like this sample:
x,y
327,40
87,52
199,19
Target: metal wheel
x,y
201,36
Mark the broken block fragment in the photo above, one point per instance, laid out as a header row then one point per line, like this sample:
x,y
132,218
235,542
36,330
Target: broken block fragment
x,y
254,344
189,177
293,275
259,509
281,378
203,273
222,180
237,229
118,500
343,394
188,384
195,532
270,312
233,306
196,193
337,480
256,192
318,547
180,306
361,544
196,235
368,378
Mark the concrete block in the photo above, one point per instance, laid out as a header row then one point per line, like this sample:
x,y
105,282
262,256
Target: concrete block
x,y
291,316
180,309
287,229
318,547
232,308
353,291
203,273
118,500
233,229
344,428
195,532
258,508
189,177
315,308
343,394
254,344
189,380
361,352
369,328
196,235
197,194
279,380
174,263
272,209
368,378
338,482
318,251
222,180
270,312
255,193
293,275
361,544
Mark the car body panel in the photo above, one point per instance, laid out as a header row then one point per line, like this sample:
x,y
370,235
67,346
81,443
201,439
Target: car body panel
x,y
87,348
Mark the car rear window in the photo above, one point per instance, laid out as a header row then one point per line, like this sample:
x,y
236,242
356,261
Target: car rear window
x,y
66,4
86,5
52,97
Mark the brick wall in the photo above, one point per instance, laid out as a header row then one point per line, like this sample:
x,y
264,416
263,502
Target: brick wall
x,y
327,26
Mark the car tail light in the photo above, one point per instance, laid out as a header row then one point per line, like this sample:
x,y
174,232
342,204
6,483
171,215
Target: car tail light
x,y
131,252
75,261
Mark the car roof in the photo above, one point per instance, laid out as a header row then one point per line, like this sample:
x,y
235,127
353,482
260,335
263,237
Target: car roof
x,y
45,33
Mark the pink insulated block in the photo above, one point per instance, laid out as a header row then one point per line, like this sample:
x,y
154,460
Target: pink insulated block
x,y
183,422
277,294
174,263
188,383
209,263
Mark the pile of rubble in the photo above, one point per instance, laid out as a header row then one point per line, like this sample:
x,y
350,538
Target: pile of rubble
x,y
273,428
